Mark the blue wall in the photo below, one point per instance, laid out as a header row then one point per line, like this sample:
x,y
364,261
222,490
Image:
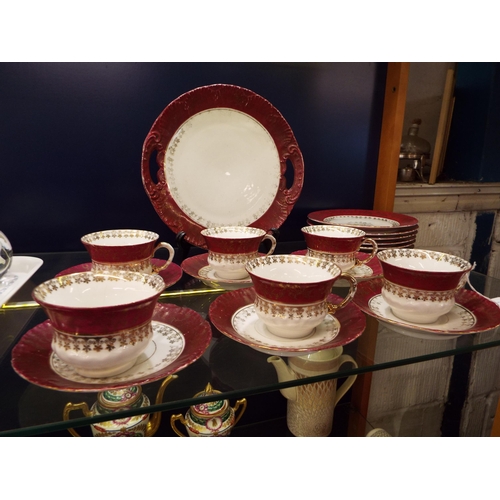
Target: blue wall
x,y
71,138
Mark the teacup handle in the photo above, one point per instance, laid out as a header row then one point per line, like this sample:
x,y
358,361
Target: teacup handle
x,y
272,239
171,252
353,286
345,358
372,254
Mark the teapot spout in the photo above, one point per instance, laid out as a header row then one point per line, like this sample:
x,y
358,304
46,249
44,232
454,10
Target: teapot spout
x,y
285,374
155,418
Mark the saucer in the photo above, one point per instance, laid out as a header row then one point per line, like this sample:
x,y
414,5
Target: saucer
x,y
233,315
180,337
472,313
20,271
171,275
197,267
362,272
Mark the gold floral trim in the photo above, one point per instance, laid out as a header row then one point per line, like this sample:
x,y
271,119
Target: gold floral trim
x,y
394,253
222,258
333,229
217,231
288,311
100,236
45,289
342,258
107,343
261,262
421,295
140,266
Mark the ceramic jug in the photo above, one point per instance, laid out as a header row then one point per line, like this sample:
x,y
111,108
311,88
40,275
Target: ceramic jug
x,y
212,419
114,400
310,407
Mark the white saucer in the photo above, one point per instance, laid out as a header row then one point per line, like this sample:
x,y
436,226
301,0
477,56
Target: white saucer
x,y
164,348
207,273
20,271
247,324
459,319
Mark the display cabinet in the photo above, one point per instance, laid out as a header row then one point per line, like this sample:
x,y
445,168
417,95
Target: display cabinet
x,y
236,370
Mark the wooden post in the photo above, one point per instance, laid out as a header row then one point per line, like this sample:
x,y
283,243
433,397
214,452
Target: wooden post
x,y
385,191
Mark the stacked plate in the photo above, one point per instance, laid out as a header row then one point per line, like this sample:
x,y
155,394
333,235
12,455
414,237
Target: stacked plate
x,y
388,229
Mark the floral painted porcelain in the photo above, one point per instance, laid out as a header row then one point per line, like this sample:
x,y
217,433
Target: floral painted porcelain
x,y
211,419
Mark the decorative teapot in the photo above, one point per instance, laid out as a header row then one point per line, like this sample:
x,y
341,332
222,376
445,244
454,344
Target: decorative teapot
x,y
213,419
114,400
310,407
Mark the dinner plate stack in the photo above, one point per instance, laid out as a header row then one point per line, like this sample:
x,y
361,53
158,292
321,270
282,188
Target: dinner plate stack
x,y
388,229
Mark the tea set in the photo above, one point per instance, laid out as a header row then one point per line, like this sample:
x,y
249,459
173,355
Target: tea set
x,y
105,319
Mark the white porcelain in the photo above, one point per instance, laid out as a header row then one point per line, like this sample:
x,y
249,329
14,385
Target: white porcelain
x,y
291,292
310,407
166,345
231,247
5,254
101,322
417,306
20,271
446,327
361,220
338,244
420,285
102,356
126,250
240,162
252,329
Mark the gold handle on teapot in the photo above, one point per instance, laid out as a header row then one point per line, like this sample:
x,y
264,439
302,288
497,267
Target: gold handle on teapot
x,y
240,403
75,406
173,419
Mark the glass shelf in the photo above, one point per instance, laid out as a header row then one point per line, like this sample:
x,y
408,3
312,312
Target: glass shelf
x,y
233,368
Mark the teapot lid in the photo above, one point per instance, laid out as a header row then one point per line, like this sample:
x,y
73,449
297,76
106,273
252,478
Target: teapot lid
x,y
114,399
210,409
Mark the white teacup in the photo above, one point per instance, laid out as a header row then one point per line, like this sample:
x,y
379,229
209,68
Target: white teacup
x,y
125,250
420,285
338,244
231,247
292,292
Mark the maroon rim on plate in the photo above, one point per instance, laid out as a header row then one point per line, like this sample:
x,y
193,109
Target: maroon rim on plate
x,y
171,275
404,221
219,96
352,320
486,312
31,356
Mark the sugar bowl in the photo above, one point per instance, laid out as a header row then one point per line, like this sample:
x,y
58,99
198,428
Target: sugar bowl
x,y
212,419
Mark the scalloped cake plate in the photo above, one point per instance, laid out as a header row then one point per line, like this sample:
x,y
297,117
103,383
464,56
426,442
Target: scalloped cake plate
x,y
221,156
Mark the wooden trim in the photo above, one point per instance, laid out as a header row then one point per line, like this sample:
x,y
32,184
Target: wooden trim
x,y
390,138
385,191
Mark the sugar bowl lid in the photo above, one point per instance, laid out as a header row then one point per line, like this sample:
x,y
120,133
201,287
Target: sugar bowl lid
x,y
115,399
210,409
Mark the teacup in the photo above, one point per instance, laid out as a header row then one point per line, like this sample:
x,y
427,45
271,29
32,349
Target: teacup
x,y
101,322
338,244
420,285
125,250
292,292
231,247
